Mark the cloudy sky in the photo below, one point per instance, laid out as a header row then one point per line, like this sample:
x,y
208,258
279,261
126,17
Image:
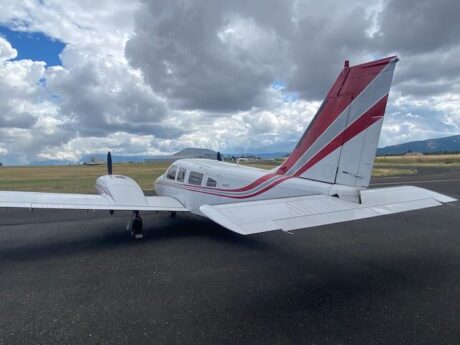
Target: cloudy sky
x,y
153,77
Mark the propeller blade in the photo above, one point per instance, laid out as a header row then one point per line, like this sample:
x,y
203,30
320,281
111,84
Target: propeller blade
x,y
109,163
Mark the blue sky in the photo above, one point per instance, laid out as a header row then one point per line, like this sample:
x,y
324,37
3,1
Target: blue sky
x,y
34,46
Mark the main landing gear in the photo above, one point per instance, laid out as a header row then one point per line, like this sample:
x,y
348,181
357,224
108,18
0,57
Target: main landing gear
x,y
135,225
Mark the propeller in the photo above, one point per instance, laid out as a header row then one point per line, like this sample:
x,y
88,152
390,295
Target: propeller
x,y
109,163
109,170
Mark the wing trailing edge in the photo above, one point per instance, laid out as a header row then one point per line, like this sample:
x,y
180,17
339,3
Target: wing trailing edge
x,y
308,211
33,200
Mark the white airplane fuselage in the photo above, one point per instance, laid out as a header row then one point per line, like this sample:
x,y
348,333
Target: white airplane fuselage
x,y
215,182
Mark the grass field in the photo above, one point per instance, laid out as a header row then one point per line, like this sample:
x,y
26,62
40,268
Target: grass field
x,y
384,172
81,179
74,179
428,160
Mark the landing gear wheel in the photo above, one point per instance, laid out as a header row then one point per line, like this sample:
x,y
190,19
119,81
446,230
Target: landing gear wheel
x,y
136,226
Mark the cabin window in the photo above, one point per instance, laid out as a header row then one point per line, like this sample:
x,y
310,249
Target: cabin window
x,y
195,178
171,174
181,175
211,182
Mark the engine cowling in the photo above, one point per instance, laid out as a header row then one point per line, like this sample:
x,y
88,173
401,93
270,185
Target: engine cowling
x,y
122,190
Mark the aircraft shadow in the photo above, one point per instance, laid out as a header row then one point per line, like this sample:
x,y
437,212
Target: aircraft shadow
x,y
158,230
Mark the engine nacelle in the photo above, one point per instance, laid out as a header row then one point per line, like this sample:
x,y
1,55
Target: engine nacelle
x,y
122,190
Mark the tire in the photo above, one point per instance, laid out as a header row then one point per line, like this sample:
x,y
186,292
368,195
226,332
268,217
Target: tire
x,y
136,227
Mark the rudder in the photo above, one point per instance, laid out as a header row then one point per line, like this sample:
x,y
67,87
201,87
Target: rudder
x,y
340,143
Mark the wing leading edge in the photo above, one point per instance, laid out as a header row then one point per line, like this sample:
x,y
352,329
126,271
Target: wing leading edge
x,y
33,200
308,211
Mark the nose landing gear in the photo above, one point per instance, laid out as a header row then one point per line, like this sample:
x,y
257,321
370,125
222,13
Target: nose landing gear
x,y
135,226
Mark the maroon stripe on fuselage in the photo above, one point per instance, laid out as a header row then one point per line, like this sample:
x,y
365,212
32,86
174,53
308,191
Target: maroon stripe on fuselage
x,y
248,187
245,188
199,189
350,83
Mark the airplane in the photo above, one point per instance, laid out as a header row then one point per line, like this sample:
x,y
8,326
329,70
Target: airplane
x,y
323,181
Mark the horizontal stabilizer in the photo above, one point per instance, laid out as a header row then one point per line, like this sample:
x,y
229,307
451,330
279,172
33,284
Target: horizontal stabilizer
x,y
34,200
307,211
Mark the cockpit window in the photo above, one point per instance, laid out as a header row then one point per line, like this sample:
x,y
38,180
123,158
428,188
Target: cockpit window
x,y
195,178
181,175
171,174
211,182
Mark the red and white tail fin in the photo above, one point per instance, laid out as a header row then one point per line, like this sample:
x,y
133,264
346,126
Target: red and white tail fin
x,y
340,144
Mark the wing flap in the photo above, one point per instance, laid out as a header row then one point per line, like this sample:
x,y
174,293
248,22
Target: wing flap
x,y
33,200
165,203
307,211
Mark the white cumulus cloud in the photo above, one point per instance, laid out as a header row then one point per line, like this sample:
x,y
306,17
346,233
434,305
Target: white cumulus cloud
x,y
153,76
7,52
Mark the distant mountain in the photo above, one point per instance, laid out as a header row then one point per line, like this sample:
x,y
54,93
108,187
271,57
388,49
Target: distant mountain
x,y
195,153
449,144
116,158
265,155
52,162
186,153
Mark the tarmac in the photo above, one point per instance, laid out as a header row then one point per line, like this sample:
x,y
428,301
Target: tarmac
x,y
76,277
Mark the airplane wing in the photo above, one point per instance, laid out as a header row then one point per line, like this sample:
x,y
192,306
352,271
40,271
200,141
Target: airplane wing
x,y
307,211
33,200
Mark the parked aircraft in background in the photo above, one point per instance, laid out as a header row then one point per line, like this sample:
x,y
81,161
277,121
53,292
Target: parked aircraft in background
x,y
323,181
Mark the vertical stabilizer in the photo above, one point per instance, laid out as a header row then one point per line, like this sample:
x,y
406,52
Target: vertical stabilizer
x,y
340,144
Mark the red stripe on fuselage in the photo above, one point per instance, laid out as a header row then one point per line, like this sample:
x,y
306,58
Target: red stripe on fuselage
x,y
199,189
372,115
350,83
248,187
245,188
